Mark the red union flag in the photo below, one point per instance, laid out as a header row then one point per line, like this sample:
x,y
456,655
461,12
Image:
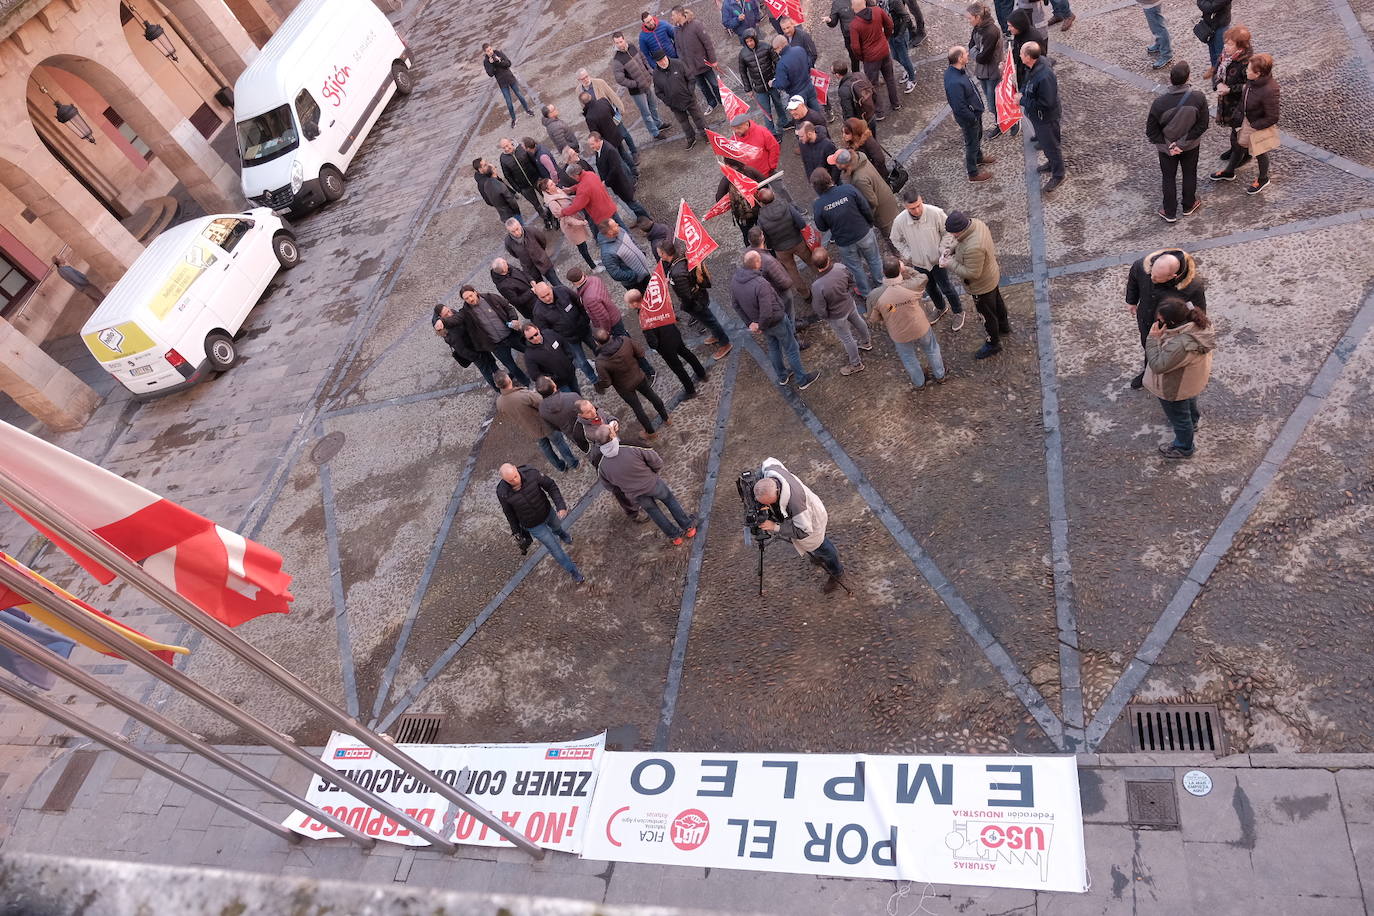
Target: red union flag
x,y
794,11
656,308
778,8
734,105
733,148
227,576
1008,112
822,83
698,241
719,208
746,186
812,236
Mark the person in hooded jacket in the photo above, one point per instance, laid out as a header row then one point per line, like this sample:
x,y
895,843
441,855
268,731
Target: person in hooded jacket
x,y
618,360
515,285
493,191
1167,273
1024,31
758,65
448,324
1178,363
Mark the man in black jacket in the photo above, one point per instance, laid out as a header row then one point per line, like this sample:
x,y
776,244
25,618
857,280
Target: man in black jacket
x,y
966,104
535,509
615,175
495,192
674,88
692,286
631,70
1177,120
491,322
515,285
559,309
1167,273
522,174
547,353
758,64
782,224
1039,99
448,324
498,68
600,115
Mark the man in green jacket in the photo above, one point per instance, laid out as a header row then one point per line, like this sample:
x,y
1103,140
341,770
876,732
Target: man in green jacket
x,y
974,261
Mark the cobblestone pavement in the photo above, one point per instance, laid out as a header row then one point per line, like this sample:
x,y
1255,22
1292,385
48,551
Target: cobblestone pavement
x,y
1023,564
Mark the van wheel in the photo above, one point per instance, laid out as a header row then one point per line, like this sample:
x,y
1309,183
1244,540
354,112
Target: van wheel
x,y
221,351
331,183
287,251
405,82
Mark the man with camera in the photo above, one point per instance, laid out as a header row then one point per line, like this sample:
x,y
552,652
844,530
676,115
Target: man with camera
x,y
535,509
788,509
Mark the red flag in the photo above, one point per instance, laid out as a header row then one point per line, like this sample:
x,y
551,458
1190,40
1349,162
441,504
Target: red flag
x,y
812,236
693,233
656,309
718,208
734,105
747,186
822,83
733,148
778,8
1008,112
227,576
794,11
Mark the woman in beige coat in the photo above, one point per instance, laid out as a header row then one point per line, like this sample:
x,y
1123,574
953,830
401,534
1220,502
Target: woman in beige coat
x,y
1178,362
574,227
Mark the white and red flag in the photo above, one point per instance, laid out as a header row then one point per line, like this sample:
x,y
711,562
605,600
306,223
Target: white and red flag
x,y
780,9
656,308
1008,112
734,105
812,236
719,208
693,234
226,575
733,147
746,185
821,81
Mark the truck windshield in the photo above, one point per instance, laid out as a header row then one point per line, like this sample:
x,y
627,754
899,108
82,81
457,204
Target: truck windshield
x,y
267,136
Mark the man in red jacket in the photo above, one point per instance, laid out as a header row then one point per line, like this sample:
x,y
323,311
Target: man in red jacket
x,y
747,130
868,35
590,195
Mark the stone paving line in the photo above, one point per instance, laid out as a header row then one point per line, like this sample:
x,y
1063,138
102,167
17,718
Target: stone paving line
x,y
347,667
1280,833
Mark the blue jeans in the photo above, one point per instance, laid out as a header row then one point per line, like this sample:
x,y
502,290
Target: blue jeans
x,y
710,88
506,92
828,556
1217,45
712,324
767,104
990,90
973,144
1183,417
648,110
627,145
661,494
813,101
1154,15
782,343
1061,8
507,358
579,357
912,363
847,329
941,289
549,534
864,262
555,438
1003,9
901,53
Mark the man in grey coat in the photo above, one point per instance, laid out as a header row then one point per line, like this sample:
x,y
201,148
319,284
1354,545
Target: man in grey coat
x,y
634,472
833,299
560,134
697,53
631,70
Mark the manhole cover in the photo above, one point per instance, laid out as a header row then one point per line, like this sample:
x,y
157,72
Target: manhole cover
x,y
327,447
418,729
1151,803
1164,727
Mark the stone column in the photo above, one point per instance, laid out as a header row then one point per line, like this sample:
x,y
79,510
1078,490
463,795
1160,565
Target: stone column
x,y
256,16
41,385
220,34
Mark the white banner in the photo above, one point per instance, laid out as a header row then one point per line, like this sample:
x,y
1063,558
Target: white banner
x,y
543,790
997,821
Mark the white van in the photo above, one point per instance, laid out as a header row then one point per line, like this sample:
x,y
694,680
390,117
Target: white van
x,y
172,317
307,100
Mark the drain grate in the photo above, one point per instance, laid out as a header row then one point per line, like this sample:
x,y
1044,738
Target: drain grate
x,y
73,777
327,447
418,729
1151,803
1165,727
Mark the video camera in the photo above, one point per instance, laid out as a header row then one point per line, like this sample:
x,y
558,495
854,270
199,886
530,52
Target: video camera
x,y
755,514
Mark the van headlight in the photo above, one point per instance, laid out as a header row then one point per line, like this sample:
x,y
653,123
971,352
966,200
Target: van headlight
x,y
297,177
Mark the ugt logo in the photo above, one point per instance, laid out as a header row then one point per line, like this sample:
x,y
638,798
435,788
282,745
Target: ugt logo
x,y
689,829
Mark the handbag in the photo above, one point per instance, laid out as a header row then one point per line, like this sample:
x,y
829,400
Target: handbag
x,y
1259,141
897,175
1204,31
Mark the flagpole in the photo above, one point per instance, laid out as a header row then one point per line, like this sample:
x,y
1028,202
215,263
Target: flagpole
x,y
76,617
64,669
96,547
119,746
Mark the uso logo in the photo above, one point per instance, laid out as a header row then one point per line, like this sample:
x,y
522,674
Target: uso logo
x,y
353,753
689,829
569,753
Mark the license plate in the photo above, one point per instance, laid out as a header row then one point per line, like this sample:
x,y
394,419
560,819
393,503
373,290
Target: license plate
x,y
141,370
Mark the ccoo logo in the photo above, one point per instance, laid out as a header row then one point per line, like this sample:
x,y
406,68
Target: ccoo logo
x,y
689,829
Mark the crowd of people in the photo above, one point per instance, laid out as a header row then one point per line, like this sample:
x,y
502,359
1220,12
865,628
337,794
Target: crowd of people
x,y
898,261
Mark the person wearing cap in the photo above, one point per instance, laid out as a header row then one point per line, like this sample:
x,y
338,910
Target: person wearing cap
x,y
675,89
634,471
897,304
974,261
1039,99
794,74
802,113
966,104
758,64
534,508
919,235
747,130
842,211
857,170
765,312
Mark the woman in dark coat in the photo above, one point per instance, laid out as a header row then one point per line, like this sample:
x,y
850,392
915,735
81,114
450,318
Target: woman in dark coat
x,y
985,52
1258,110
857,136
